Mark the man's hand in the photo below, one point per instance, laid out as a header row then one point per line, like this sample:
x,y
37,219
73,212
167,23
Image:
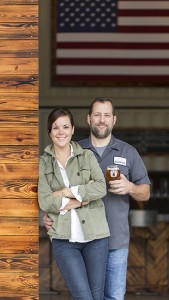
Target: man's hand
x,y
121,186
72,204
139,192
47,221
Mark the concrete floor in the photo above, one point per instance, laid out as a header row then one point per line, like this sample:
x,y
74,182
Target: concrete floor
x,y
65,296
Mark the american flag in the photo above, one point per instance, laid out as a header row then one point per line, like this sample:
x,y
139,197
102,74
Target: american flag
x,y
112,42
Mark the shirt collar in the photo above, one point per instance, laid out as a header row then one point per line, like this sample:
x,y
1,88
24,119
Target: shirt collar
x,y
113,144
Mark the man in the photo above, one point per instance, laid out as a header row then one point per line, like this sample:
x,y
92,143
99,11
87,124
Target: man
x,y
134,182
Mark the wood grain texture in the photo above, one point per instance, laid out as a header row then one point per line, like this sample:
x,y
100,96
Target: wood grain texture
x,y
18,282
22,154
15,31
13,245
19,208
18,13
19,101
32,296
18,189
15,118
19,136
19,66
19,2
19,226
18,262
19,84
19,153
17,171
23,48
155,246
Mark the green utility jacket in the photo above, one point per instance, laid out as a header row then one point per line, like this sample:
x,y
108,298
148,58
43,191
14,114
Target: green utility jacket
x,y
80,169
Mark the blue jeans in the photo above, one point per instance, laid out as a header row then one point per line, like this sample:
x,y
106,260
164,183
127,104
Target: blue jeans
x,y
116,272
83,267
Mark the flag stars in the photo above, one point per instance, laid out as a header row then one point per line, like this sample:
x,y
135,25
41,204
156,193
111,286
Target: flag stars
x,y
87,15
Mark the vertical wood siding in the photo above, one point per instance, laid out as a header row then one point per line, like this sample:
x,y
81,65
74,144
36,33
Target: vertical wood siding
x,y
18,149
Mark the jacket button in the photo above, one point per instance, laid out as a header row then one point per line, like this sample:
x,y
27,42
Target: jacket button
x,y
78,174
83,221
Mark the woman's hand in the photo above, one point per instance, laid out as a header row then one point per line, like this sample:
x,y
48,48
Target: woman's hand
x,y
73,203
85,203
65,192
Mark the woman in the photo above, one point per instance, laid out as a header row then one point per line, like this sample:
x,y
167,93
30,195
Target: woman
x,y
70,188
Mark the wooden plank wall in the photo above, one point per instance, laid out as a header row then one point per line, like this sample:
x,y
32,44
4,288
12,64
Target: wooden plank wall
x,y
148,263
18,149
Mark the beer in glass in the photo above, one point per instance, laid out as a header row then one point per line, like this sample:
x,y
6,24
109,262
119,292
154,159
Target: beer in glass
x,y
112,173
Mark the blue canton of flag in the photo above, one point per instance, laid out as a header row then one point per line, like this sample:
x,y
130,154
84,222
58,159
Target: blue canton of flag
x,y
87,16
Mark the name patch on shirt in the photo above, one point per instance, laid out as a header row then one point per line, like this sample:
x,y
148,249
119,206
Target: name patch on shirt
x,y
120,160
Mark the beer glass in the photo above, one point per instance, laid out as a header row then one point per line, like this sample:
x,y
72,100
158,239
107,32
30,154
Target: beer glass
x,y
112,173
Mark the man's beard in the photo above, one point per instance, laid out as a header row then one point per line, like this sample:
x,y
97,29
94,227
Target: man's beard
x,y
100,135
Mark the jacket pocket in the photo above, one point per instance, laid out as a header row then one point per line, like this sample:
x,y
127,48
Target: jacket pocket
x,y
49,174
96,204
99,222
85,175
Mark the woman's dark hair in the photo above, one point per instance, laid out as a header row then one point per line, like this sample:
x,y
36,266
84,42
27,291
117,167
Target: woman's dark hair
x,y
57,113
101,100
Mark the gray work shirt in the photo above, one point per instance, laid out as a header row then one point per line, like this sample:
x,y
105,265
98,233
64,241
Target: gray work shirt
x,y
117,206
